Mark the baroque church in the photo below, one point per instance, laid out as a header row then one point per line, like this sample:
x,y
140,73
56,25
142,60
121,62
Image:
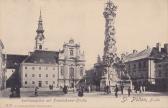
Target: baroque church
x,y
42,68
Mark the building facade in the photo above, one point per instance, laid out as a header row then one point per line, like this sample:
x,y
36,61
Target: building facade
x,y
43,68
142,66
71,64
162,70
2,70
40,69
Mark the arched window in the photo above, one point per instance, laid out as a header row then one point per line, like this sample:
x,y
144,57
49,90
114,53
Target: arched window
x,y
40,46
62,70
71,72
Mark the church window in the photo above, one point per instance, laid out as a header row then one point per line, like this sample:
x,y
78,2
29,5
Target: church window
x,y
40,46
71,73
62,70
25,75
81,71
71,52
25,82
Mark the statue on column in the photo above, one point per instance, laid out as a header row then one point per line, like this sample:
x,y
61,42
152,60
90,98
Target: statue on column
x,y
110,76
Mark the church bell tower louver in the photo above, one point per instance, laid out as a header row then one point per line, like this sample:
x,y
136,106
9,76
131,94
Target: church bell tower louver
x,y
40,36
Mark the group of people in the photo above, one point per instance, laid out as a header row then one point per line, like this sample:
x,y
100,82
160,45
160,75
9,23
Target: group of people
x,y
80,90
140,88
15,92
116,89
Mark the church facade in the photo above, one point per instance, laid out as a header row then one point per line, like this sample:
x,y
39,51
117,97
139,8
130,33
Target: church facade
x,y
43,68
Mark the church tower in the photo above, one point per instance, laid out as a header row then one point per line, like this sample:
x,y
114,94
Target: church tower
x,y
39,37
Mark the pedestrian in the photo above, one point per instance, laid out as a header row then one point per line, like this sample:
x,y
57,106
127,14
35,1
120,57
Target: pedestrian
x,y
140,89
65,89
89,88
17,91
12,92
80,92
129,91
122,88
36,91
116,91
108,89
144,88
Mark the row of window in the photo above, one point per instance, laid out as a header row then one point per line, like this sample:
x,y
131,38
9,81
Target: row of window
x,y
39,68
71,71
139,65
33,82
33,75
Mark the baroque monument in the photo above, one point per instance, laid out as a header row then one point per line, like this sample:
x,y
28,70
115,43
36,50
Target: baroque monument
x,y
109,74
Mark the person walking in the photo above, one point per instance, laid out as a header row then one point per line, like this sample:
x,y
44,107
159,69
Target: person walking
x,y
122,88
116,91
36,91
129,91
89,89
65,89
80,92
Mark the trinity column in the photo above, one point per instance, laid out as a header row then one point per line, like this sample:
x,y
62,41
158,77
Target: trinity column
x,y
109,75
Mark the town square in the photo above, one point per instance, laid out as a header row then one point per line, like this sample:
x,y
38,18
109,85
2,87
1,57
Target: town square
x,y
109,49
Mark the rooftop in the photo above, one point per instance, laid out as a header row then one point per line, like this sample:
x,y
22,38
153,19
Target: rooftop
x,y
42,57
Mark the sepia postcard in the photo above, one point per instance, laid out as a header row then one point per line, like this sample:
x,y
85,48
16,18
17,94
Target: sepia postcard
x,y
84,53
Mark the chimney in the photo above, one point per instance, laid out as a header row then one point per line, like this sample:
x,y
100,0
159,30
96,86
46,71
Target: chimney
x,y
158,46
135,51
166,48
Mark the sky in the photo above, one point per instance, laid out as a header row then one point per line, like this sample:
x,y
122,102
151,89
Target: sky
x,y
138,23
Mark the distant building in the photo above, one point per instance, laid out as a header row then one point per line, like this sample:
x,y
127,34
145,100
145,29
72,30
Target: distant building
x,y
141,66
98,71
2,70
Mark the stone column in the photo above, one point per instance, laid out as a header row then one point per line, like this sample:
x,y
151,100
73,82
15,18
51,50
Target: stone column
x,y
109,76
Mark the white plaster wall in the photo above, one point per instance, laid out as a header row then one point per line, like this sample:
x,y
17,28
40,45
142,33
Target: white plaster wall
x,y
29,71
